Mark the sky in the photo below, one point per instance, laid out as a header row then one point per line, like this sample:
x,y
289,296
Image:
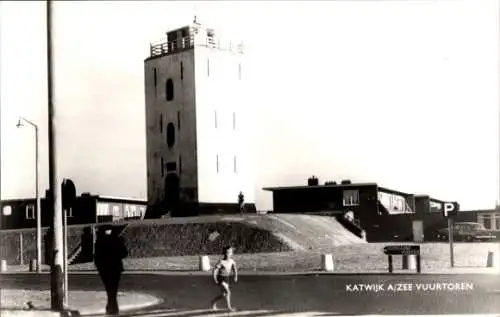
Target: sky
x,y
402,93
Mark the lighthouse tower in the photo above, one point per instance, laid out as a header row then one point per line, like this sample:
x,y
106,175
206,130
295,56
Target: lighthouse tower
x,y
197,124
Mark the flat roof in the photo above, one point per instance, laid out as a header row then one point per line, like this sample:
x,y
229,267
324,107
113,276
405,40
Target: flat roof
x,y
383,189
392,191
436,200
119,199
98,197
480,211
319,186
17,200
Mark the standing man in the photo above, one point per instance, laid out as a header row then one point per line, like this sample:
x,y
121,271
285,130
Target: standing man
x,y
241,202
110,250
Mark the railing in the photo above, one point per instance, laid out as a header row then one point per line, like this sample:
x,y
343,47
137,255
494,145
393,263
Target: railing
x,y
224,45
168,47
75,253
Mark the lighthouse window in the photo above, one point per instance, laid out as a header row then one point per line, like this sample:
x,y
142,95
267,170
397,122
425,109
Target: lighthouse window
x,y
170,90
170,135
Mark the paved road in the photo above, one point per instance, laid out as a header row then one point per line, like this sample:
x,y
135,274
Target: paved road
x,y
319,295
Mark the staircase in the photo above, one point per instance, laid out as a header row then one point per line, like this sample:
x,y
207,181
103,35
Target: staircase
x,y
353,226
382,209
77,255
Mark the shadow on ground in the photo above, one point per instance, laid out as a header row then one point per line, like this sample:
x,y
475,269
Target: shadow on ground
x,y
209,312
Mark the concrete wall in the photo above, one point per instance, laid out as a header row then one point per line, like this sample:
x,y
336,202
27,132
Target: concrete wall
x,y
160,112
219,93
212,142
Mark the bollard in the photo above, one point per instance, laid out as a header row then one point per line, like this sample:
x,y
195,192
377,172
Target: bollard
x,y
327,263
33,265
405,262
389,260
491,260
204,263
3,266
409,262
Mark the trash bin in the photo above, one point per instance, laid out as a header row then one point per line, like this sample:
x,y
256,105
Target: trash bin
x,y
33,265
3,266
409,262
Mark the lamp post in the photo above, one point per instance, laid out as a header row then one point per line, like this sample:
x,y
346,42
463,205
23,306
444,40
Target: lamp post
x,y
38,208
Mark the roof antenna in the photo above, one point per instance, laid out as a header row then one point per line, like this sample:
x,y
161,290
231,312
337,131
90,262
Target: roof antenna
x,y
195,19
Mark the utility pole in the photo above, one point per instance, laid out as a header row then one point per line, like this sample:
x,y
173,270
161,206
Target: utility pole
x,y
56,272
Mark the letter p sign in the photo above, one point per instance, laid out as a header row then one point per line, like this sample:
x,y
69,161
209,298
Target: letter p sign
x,y
450,209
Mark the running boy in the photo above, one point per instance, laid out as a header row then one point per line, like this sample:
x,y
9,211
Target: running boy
x,y
221,275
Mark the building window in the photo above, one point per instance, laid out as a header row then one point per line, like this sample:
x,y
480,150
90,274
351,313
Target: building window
x,y
217,163
234,120
162,170
486,221
170,135
208,67
178,120
180,165
170,89
155,76
497,222
30,212
103,209
161,124
239,71
116,211
182,71
351,197
171,167
215,118
234,164
480,219
7,210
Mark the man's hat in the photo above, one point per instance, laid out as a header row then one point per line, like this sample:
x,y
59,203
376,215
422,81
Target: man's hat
x,y
105,228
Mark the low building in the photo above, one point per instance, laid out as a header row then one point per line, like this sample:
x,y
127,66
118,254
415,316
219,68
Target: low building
x,y
490,219
384,214
21,213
